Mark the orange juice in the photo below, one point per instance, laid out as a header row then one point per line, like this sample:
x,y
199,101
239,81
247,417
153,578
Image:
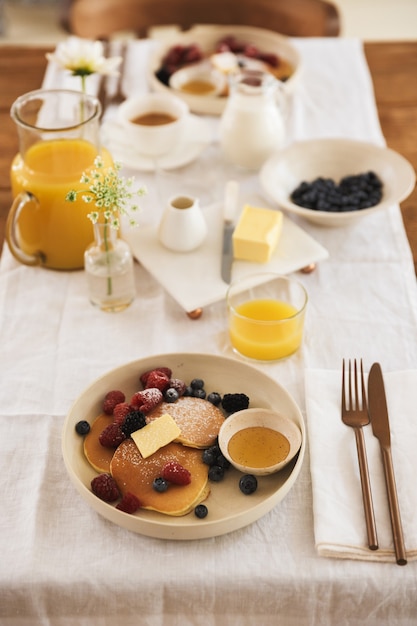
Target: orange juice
x,y
57,228
266,329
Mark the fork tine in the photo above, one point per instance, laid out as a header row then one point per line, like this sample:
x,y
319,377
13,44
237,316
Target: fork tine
x,y
343,387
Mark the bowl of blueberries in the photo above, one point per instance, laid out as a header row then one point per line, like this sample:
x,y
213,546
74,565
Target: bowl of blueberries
x,y
335,182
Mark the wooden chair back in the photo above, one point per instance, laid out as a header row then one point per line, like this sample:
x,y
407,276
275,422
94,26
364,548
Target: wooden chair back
x,y
299,18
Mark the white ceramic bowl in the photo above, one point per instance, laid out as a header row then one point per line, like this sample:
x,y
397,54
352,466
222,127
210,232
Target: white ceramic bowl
x,y
158,140
229,509
264,418
214,80
335,158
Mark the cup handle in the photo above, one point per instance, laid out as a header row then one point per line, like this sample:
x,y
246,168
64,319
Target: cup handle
x,y
19,202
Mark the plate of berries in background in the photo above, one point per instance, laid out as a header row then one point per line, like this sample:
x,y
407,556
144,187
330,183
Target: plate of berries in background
x,y
204,56
142,456
336,182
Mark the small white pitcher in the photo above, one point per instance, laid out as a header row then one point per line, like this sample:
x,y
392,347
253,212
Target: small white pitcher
x,y
183,227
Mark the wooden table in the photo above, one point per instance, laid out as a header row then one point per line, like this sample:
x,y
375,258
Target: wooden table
x,y
393,67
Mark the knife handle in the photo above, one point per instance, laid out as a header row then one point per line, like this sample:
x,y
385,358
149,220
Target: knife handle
x,y
394,509
366,490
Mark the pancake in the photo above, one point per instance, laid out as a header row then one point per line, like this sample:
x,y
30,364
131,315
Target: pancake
x,y
135,474
97,455
199,420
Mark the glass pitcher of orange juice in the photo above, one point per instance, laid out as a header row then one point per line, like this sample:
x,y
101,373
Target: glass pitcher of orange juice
x,y
58,133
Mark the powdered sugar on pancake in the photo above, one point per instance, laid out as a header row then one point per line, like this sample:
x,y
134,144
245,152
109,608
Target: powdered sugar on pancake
x,y
198,420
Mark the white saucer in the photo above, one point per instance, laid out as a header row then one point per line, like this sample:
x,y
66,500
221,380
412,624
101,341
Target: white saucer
x,y
194,280
196,138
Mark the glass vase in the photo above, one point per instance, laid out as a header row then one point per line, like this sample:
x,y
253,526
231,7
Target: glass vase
x,y
108,264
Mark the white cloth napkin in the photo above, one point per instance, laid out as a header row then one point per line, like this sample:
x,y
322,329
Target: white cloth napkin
x,y
339,522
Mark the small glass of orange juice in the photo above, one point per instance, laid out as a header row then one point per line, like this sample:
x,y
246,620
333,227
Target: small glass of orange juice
x,y
266,316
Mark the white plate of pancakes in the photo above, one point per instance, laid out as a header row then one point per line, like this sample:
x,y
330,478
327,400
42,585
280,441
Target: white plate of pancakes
x,y
228,508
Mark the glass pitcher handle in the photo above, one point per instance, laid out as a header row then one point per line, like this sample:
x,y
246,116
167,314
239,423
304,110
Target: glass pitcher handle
x,y
11,231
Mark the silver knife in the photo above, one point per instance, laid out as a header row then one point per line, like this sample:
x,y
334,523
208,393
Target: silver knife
x,y
378,413
231,196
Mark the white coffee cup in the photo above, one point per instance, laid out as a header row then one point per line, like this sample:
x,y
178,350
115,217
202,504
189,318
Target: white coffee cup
x,y
154,122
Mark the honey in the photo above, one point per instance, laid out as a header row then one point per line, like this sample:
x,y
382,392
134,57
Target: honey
x,y
258,446
198,87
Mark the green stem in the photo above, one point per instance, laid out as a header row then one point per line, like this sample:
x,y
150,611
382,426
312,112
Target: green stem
x,y
107,249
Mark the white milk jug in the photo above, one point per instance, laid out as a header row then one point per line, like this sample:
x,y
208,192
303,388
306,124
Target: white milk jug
x,y
252,125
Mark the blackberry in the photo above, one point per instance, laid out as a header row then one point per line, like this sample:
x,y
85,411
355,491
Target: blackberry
x,y
215,398
216,473
201,511
133,421
82,427
160,484
233,402
171,395
248,484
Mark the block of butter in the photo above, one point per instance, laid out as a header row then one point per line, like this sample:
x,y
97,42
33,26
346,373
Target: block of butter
x,y
158,433
256,234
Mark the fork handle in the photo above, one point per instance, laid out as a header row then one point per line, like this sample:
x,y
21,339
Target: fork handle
x,y
366,490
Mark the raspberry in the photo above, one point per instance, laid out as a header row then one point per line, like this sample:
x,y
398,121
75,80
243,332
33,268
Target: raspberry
x,y
120,411
111,399
164,370
146,400
133,421
175,473
179,385
112,436
104,487
129,503
159,380
233,402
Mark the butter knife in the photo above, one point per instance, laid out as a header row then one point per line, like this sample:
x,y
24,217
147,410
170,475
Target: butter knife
x,y
231,196
378,413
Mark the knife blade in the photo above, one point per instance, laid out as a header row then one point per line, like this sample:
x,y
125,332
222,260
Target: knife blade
x,y
378,413
231,196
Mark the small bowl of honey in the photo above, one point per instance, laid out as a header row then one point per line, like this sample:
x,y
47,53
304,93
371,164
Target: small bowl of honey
x,y
259,441
199,80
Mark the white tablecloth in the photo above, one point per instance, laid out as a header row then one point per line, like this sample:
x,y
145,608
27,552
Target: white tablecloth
x,y
63,564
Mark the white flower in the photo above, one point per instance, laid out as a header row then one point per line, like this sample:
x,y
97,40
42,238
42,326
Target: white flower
x,y
83,57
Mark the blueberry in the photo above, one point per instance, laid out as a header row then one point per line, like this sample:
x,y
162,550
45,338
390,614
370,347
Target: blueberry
x,y
171,395
248,484
188,391
82,427
197,383
215,398
199,393
201,511
209,456
160,484
216,473
221,461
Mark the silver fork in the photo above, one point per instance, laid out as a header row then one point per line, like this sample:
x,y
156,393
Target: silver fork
x,y
355,415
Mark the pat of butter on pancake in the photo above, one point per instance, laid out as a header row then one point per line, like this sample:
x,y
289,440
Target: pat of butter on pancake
x,y
155,435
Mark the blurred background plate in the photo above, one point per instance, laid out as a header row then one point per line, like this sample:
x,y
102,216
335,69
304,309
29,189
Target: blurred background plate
x,y
207,37
228,508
